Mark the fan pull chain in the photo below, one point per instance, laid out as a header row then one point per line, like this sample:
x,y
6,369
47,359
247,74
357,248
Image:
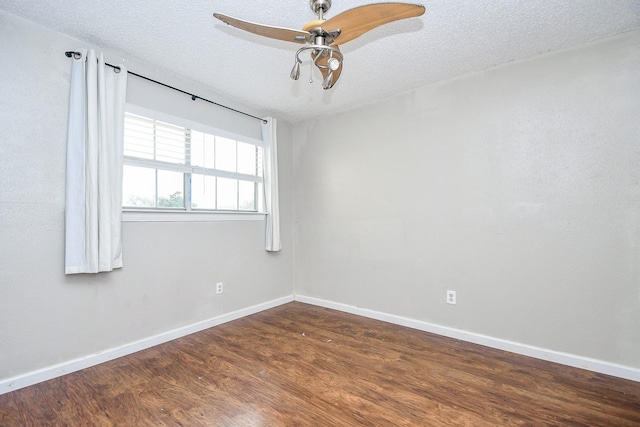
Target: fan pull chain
x,y
311,72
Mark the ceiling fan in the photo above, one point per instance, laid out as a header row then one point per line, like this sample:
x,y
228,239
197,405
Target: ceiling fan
x,y
321,37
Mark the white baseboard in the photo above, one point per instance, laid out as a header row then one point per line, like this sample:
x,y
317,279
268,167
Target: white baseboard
x,y
34,377
573,360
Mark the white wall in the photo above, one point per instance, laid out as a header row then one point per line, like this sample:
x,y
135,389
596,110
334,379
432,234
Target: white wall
x,y
170,268
518,187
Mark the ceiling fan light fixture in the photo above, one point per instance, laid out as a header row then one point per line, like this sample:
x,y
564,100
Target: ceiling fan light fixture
x,y
295,71
328,81
333,63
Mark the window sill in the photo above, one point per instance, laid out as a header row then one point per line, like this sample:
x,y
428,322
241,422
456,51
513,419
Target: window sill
x,y
130,215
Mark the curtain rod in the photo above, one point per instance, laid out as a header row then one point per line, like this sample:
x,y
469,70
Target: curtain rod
x,y
78,55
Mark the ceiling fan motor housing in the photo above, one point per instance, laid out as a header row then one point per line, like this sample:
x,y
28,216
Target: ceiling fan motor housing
x,y
320,7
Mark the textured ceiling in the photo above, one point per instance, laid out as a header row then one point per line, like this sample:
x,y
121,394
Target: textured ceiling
x,y
452,38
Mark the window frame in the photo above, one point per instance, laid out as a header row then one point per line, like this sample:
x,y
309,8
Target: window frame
x,y
188,214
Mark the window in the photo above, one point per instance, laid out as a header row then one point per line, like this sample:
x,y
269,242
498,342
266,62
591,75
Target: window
x,y
174,166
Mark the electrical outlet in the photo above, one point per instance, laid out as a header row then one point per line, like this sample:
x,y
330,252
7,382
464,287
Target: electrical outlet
x,y
451,297
219,287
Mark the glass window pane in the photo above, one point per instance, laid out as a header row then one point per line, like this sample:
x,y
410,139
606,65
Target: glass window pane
x,y
170,150
202,149
247,158
170,142
225,154
138,137
259,160
203,192
260,194
227,194
170,189
138,186
197,148
246,196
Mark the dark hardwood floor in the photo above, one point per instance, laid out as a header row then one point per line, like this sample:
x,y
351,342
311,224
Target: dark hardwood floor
x,y
301,365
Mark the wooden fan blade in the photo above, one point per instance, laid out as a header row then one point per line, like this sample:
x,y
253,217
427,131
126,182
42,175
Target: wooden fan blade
x,y
357,21
322,64
278,33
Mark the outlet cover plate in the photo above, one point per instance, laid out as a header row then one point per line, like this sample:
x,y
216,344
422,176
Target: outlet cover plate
x,y
451,297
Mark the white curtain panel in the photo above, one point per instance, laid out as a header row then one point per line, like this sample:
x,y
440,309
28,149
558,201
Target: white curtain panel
x,y
270,168
93,214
